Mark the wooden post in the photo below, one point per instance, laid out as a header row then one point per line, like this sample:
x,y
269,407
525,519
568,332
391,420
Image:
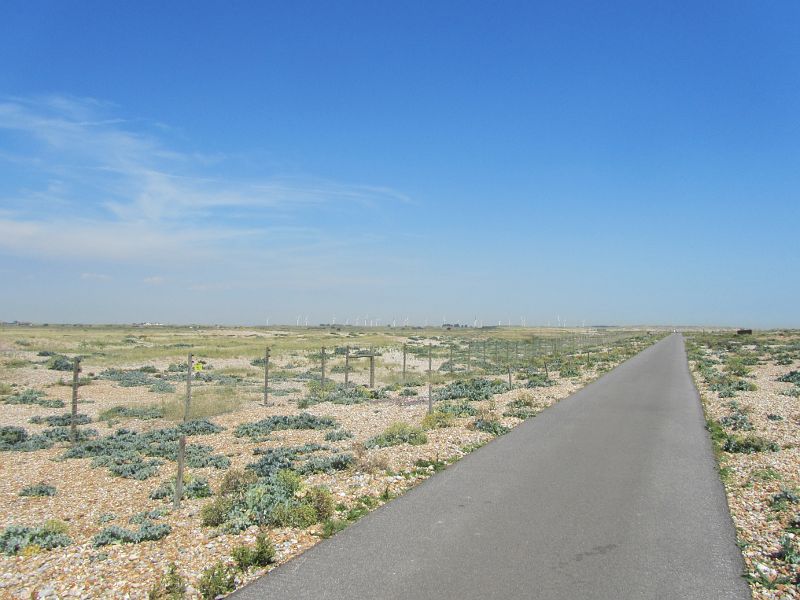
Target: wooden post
x,y
469,357
484,353
176,500
322,376
496,353
73,424
404,362
372,369
546,371
347,365
451,359
430,378
509,377
188,402
516,352
508,349
266,377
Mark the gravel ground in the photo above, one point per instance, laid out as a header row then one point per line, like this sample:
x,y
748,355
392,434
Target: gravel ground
x,y
752,480
85,493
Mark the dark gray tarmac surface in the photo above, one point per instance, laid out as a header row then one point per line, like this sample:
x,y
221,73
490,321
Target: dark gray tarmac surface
x,y
611,493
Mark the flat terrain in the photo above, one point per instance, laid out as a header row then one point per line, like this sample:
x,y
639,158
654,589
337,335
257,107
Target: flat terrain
x,y
612,493
750,387
86,521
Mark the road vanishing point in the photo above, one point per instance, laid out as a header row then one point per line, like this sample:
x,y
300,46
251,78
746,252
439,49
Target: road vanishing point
x,y
612,493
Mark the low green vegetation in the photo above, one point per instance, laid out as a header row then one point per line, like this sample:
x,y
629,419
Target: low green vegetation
x,y
147,532
16,539
135,455
398,433
471,389
259,555
260,430
38,489
33,397
170,586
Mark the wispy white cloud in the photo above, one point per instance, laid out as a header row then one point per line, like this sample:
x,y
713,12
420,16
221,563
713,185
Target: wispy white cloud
x,y
95,277
113,189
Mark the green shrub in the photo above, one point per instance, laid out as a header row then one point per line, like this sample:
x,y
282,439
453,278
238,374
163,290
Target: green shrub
x,y
59,362
783,499
60,420
147,515
398,433
33,397
538,380
39,489
462,409
127,412
337,435
790,377
438,419
260,555
748,444
333,526
216,580
196,487
148,532
492,426
737,421
170,586
471,389
215,513
326,464
17,439
236,481
15,538
276,459
322,500
261,429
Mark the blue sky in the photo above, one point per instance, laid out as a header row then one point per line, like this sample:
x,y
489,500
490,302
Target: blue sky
x,y
230,162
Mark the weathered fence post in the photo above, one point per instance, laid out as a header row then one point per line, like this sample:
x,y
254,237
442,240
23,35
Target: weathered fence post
x,y
176,500
188,401
347,365
430,378
404,363
266,377
372,368
509,377
73,422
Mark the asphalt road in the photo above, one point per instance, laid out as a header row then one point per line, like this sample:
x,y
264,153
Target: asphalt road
x,y
611,493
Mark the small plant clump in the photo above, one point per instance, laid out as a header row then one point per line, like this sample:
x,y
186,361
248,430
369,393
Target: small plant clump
x,y
196,487
471,389
438,419
33,397
261,429
123,452
127,412
337,435
489,425
17,538
59,362
748,444
398,433
274,501
260,555
170,586
217,580
61,420
38,489
147,532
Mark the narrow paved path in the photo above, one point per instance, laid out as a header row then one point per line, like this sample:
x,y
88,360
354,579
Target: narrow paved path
x,y
611,493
